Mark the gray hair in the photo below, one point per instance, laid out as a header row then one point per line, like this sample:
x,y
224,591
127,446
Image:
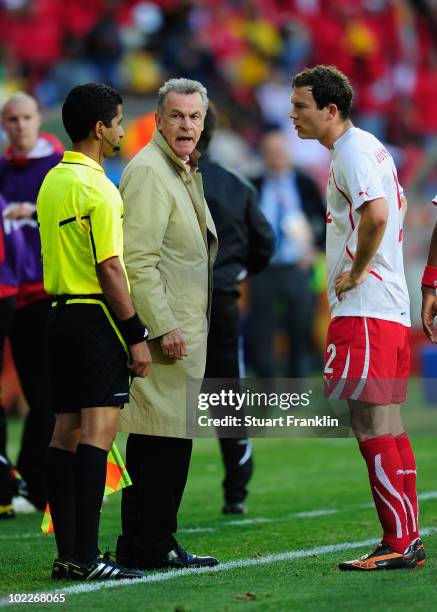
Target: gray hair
x,y
182,86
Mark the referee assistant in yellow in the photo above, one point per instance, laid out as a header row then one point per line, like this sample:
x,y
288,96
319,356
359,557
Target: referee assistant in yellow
x,y
95,336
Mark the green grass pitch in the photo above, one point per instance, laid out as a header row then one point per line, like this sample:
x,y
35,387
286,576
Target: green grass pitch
x,y
326,478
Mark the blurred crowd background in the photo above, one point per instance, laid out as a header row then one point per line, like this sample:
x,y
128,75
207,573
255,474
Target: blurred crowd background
x,y
245,52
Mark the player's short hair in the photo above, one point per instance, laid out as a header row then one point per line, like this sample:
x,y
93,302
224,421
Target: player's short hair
x,y
21,97
209,126
87,104
328,85
182,86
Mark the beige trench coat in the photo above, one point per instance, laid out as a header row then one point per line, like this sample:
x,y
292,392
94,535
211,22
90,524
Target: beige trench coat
x,y
170,247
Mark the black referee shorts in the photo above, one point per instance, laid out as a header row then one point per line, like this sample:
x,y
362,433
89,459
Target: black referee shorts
x,y
87,357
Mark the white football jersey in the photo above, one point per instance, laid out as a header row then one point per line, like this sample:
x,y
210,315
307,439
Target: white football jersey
x,y
362,170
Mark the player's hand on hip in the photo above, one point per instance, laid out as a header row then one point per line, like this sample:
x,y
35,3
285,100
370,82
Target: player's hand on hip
x,y
140,359
174,345
429,311
347,281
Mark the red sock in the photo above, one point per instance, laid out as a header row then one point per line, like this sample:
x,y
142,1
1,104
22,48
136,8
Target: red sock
x,y
410,493
386,478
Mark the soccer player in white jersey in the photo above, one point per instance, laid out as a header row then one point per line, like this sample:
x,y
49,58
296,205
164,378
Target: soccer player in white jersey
x,y
429,285
368,354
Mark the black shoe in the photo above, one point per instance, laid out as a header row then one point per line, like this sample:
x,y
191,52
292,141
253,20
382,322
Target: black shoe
x,y
236,508
419,551
179,558
7,512
383,557
103,568
60,570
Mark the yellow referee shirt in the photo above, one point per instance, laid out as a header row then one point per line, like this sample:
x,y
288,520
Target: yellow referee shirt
x,y
80,220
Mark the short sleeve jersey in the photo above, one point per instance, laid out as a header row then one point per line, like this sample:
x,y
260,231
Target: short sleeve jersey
x,y
80,215
363,170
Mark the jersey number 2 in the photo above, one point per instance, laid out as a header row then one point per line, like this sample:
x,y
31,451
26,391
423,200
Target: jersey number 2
x,y
333,351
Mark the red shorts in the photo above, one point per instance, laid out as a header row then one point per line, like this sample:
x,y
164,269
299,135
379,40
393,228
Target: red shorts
x,y
367,359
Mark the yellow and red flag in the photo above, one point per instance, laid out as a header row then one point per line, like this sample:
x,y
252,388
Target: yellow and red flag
x,y
117,478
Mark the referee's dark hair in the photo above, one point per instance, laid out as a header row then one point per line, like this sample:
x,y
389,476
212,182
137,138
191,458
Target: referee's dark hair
x,y
328,85
209,126
87,104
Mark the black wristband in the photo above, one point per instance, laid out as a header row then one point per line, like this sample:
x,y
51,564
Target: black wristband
x,y
133,330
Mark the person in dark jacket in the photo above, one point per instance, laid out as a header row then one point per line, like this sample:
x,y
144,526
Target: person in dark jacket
x,y
292,203
245,247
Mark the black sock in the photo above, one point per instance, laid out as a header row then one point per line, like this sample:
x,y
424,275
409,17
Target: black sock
x,y
60,492
89,488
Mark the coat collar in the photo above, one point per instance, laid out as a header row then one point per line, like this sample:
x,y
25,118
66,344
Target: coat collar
x,y
159,140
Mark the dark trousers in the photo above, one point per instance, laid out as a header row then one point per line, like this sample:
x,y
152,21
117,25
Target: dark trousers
x,y
7,310
158,467
292,286
222,362
29,347
7,484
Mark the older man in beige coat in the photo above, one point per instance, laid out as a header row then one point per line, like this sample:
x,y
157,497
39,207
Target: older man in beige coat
x,y
170,247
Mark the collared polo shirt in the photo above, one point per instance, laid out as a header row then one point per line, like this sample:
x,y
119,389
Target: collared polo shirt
x,y
80,219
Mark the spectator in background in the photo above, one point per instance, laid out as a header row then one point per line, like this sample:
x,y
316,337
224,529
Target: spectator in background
x,y
231,47
22,169
73,68
103,46
245,246
11,247
292,204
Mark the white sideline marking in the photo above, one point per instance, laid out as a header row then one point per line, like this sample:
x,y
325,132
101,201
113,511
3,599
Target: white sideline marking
x,y
429,495
91,587
314,513
197,529
305,514
262,520
254,521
